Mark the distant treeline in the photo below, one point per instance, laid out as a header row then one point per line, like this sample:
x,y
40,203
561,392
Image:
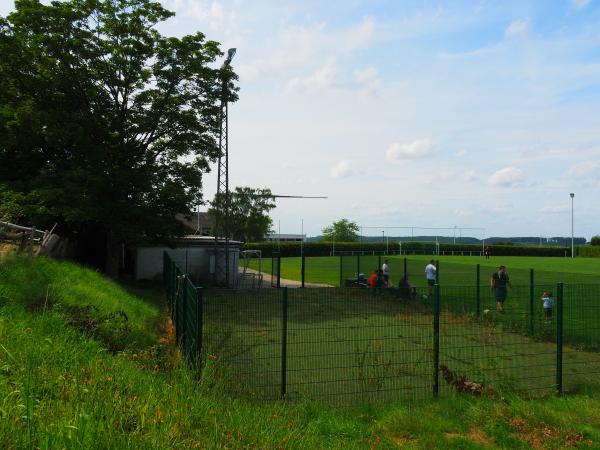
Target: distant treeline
x,y
519,240
327,248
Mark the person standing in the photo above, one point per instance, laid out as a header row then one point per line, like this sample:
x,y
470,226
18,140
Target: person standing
x,y
499,282
430,274
385,269
548,305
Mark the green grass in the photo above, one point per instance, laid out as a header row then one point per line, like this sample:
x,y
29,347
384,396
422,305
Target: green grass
x,y
454,270
353,347
67,382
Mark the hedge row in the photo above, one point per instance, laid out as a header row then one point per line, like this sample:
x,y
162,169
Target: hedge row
x,y
325,248
588,250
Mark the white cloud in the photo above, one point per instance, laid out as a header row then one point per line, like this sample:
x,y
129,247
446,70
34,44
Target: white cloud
x,y
359,36
461,153
342,169
554,209
298,47
413,150
367,80
509,176
212,13
517,28
582,170
580,4
383,211
322,79
463,212
470,175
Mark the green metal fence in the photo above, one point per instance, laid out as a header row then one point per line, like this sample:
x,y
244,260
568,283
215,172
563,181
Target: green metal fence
x,y
185,306
355,346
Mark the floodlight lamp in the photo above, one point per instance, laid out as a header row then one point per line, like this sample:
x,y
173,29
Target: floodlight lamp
x,y
230,55
572,195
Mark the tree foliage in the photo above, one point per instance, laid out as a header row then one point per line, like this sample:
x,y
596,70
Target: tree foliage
x,y
595,240
248,213
105,124
341,231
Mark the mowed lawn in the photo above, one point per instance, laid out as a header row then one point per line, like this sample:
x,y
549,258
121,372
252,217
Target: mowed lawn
x,y
453,270
351,347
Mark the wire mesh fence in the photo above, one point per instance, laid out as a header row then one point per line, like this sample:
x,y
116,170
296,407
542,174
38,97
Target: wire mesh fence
x,y
355,346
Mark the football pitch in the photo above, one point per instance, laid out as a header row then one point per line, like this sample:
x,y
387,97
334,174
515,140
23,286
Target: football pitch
x,y
453,270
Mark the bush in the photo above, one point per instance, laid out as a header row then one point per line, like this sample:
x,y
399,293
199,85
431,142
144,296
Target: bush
x,y
592,251
595,240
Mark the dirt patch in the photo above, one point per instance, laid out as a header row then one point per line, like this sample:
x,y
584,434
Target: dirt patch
x,y
452,435
538,435
111,329
479,437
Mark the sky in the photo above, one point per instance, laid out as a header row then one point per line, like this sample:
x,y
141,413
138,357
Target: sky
x,y
413,113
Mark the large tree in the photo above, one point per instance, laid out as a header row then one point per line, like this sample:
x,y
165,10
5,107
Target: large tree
x,y
106,125
341,231
249,208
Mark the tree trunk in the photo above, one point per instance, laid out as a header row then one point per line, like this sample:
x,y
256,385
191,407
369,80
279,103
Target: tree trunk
x,y
113,251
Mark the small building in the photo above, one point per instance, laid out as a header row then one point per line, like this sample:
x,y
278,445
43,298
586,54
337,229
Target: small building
x,y
276,237
194,254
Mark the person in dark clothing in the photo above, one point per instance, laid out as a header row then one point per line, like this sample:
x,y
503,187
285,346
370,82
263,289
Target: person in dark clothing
x,y
499,282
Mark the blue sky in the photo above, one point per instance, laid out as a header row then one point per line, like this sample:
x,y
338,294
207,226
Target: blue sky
x,y
413,113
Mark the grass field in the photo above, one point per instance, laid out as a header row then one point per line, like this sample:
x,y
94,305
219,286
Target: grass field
x,y
75,374
351,347
454,270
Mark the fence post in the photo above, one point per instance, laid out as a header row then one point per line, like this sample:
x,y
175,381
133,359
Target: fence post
x,y
478,291
559,338
531,295
176,306
284,320
31,238
184,314
357,267
279,270
303,269
436,341
199,326
405,271
341,270
437,271
173,289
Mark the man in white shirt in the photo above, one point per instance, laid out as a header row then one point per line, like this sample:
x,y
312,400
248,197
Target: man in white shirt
x,y
430,273
385,268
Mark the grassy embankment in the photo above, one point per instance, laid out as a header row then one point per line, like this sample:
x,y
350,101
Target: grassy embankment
x,y
86,363
454,270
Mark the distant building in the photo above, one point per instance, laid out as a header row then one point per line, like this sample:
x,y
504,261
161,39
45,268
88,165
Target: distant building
x,y
275,237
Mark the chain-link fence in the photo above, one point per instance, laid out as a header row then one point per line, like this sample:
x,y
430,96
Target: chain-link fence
x,y
355,346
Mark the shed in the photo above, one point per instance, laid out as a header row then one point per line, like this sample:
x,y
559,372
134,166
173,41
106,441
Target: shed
x,y
193,254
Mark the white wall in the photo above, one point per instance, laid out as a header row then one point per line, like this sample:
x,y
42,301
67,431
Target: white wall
x,y
196,261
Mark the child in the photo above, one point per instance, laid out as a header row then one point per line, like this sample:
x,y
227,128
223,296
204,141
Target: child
x,y
548,304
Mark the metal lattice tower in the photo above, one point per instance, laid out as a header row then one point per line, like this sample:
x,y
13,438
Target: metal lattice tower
x,y
222,198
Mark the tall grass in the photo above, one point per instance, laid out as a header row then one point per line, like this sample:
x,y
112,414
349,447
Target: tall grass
x,y
74,373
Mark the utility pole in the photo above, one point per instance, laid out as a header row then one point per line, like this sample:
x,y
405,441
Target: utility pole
x,y
572,228
222,196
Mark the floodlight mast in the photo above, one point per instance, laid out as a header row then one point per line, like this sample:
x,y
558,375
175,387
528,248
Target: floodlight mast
x,y
572,194
222,211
